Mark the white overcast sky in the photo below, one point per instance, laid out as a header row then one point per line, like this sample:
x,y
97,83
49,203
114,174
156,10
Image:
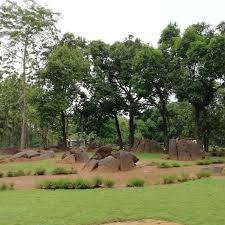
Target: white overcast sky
x,y
112,20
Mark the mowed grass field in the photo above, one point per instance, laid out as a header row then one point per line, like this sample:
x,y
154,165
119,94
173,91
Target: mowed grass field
x,y
192,203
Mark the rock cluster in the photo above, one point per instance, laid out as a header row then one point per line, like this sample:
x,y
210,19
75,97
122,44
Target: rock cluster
x,y
106,160
185,149
37,154
75,155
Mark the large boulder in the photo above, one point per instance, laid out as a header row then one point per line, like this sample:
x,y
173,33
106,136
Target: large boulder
x,y
91,164
80,155
102,152
32,153
185,149
46,154
69,159
126,159
108,164
20,155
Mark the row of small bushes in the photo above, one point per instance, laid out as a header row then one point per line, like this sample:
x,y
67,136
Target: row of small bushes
x,y
38,172
5,187
79,183
210,161
184,177
168,165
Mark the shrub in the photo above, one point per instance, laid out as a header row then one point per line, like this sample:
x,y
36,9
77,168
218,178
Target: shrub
x,y
204,162
10,173
61,170
19,173
218,161
175,164
97,182
40,172
65,184
1,174
4,187
203,174
170,179
184,177
135,182
109,183
28,173
164,165
81,183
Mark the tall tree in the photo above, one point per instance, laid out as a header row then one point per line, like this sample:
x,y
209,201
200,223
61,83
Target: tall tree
x,y
64,72
27,31
156,73
122,75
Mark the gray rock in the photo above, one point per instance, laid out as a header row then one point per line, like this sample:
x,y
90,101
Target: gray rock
x,y
81,156
108,164
20,155
32,153
91,164
69,159
126,161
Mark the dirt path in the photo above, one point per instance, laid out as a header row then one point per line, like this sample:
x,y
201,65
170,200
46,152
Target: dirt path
x,y
143,222
151,174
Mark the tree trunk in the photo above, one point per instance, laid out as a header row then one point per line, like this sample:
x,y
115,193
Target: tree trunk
x,y
205,130
164,115
45,137
24,97
196,119
131,129
119,136
63,129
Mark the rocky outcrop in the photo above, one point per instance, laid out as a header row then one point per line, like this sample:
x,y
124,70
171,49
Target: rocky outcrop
x,y
106,160
185,149
147,145
33,154
75,155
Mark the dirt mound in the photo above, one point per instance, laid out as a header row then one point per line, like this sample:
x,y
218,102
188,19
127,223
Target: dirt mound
x,y
143,222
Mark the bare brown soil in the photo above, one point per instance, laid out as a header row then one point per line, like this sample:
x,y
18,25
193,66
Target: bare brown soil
x,y
143,222
150,173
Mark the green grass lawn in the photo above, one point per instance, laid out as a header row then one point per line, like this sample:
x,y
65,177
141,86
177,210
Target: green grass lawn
x,y
192,203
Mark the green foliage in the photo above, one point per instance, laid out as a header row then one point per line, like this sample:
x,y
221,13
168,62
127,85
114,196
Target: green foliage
x,y
5,187
135,182
170,179
165,165
203,174
1,174
175,164
184,177
204,162
109,183
40,172
97,181
62,170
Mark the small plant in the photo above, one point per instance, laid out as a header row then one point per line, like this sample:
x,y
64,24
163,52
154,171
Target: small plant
x,y
203,174
109,183
204,162
28,173
19,173
40,172
1,174
184,177
170,179
218,161
135,182
175,164
81,183
10,174
4,187
164,165
97,182
60,171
